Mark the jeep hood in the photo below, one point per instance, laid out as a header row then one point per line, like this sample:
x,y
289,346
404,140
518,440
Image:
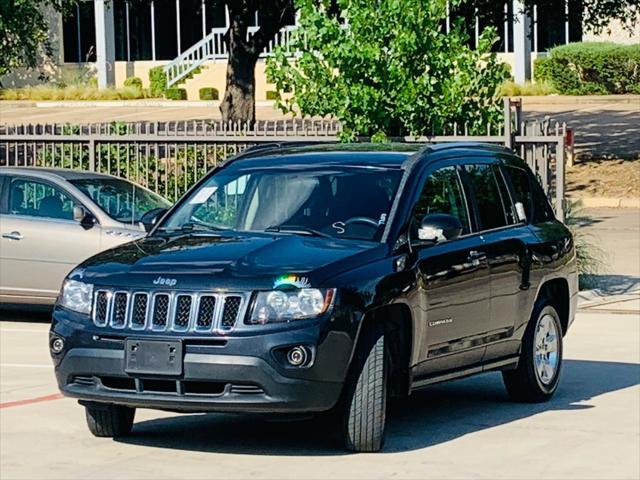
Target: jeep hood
x,y
242,260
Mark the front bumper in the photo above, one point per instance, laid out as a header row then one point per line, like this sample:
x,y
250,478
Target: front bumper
x,y
237,375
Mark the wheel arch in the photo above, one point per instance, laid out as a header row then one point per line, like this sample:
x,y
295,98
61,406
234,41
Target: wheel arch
x,y
556,290
397,321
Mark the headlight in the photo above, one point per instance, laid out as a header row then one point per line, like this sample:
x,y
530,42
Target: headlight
x,y
287,305
77,296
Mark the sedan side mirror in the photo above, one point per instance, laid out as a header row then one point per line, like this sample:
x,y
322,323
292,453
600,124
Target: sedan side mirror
x,y
150,218
438,227
83,217
78,213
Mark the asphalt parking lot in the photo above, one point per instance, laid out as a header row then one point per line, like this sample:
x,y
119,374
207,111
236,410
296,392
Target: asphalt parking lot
x,y
464,429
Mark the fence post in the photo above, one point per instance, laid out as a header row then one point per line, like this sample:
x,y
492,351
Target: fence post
x,y
92,154
508,139
560,179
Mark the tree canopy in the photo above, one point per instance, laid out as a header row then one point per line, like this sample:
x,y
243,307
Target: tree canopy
x,y
387,68
24,31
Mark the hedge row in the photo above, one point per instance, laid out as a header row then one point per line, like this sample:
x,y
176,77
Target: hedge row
x,y
591,68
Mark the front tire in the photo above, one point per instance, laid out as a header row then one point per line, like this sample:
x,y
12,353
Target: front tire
x,y
365,400
105,420
538,373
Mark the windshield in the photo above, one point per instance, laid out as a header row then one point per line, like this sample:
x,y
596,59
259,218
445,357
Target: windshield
x,y
341,202
121,200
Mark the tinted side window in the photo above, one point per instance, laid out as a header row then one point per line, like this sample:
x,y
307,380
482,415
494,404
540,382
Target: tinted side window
x,y
442,193
520,181
542,211
37,199
491,210
505,196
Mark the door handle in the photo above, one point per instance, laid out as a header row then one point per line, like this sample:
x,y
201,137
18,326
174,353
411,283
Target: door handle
x,y
13,235
476,257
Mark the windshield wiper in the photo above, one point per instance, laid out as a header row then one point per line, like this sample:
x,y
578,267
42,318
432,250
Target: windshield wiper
x,y
297,229
192,226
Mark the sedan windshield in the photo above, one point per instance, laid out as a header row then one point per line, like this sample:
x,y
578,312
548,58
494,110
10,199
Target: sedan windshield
x,y
121,200
339,202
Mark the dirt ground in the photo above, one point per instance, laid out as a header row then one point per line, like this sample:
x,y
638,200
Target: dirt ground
x,y
604,178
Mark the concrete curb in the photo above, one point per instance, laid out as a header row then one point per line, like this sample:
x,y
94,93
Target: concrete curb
x,y
572,100
123,103
607,202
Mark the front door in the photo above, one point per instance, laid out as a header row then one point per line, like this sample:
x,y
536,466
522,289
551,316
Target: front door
x,y
40,243
453,281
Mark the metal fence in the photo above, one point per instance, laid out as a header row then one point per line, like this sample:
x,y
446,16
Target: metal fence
x,y
168,157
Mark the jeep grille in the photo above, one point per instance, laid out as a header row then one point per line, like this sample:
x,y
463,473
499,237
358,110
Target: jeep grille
x,y
168,311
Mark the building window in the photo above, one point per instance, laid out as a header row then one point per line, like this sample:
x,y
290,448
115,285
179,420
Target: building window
x,y
215,14
79,34
140,31
190,23
166,28
552,26
121,30
132,25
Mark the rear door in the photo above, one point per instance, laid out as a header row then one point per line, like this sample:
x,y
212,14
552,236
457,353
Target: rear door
x,y
505,238
39,240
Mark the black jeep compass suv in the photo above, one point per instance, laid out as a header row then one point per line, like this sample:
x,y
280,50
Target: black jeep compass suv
x,y
317,278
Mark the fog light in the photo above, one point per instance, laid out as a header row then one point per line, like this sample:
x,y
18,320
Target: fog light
x,y
297,356
57,345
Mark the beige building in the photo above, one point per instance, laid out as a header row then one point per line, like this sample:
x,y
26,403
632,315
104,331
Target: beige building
x,y
116,39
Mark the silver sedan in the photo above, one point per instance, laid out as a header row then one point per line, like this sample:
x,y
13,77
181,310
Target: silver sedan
x,y
53,219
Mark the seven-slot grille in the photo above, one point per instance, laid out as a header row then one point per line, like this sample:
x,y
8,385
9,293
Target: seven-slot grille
x,y
171,311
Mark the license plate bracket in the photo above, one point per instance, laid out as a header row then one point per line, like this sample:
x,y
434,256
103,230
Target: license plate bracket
x,y
153,357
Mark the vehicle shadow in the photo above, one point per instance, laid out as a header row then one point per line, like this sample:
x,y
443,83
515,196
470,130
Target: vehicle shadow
x,y
607,285
430,417
18,313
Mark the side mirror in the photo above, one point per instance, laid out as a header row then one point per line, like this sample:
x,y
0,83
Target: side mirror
x,y
150,218
79,213
83,217
438,227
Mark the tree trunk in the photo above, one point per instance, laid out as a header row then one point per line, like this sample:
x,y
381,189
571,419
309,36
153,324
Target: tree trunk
x,y
239,101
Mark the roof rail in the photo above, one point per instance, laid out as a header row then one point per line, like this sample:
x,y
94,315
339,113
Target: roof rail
x,y
484,145
262,147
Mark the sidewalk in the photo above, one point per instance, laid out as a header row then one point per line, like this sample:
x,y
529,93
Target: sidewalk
x,y
617,232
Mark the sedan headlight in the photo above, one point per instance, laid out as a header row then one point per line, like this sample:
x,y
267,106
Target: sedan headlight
x,y
287,305
77,296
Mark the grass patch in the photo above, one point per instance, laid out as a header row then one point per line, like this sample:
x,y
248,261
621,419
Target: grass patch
x,y
512,89
72,92
591,258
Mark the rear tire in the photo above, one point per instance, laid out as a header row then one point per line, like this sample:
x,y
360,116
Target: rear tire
x,y
538,373
365,398
107,420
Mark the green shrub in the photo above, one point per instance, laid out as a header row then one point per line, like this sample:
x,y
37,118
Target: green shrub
x,y
591,68
134,82
208,93
157,81
402,75
175,94
541,66
513,89
272,95
53,92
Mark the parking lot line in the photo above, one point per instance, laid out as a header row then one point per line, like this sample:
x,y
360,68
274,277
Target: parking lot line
x,y
28,401
24,365
21,330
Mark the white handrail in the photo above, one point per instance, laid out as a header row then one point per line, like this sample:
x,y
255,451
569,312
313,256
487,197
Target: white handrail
x,y
213,47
